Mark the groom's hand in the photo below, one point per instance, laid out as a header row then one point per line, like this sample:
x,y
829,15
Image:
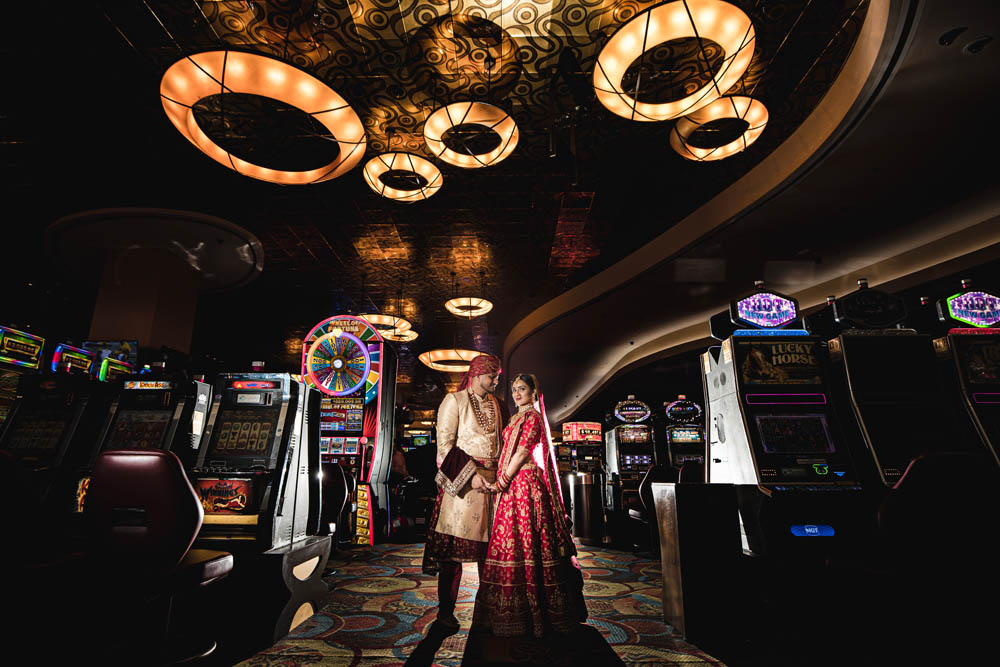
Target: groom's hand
x,y
478,483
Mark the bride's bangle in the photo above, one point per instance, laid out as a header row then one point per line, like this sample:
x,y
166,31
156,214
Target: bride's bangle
x,y
503,481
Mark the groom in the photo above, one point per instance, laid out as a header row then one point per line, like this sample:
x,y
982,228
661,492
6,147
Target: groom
x,y
469,422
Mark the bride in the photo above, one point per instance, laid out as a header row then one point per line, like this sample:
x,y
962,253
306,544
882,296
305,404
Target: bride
x,y
531,582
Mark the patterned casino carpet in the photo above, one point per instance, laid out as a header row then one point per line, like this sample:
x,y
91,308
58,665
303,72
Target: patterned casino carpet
x,y
381,608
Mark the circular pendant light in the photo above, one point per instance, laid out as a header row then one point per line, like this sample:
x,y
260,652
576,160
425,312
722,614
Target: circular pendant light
x,y
401,336
471,134
451,360
386,323
468,306
201,75
715,20
747,109
404,177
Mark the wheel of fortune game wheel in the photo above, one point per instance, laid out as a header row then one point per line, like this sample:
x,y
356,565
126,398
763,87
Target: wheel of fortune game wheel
x,y
338,363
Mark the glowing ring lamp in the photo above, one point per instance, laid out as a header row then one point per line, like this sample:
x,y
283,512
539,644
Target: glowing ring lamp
x,y
195,77
386,323
718,21
450,360
745,108
401,336
335,357
470,113
468,306
403,162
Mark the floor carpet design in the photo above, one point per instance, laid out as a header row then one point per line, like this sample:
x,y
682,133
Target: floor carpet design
x,y
381,609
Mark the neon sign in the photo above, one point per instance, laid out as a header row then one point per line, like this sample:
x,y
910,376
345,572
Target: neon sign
x,y
20,349
581,432
978,309
766,310
112,368
73,357
632,411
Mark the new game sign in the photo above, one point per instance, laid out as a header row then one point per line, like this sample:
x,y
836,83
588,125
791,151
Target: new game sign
x,y
978,309
764,310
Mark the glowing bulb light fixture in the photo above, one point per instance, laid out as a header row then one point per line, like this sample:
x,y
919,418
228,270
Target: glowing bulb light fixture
x,y
382,171
753,112
201,75
384,323
451,360
401,336
480,114
468,306
714,20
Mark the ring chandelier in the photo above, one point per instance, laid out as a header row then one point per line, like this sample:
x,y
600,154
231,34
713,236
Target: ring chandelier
x,y
401,336
201,75
468,306
428,176
714,20
451,360
386,323
753,112
484,115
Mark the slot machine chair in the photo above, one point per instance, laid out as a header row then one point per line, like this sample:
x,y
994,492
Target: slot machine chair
x,y
142,516
335,495
644,528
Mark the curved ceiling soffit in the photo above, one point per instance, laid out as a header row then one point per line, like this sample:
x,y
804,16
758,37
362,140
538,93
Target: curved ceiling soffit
x,y
869,66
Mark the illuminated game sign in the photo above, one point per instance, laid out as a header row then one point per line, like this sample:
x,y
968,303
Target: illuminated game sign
x,y
683,410
632,411
581,432
113,368
73,358
20,349
977,309
765,310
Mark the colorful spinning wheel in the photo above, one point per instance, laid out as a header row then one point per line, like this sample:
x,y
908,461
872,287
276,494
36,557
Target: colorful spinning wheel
x,y
338,363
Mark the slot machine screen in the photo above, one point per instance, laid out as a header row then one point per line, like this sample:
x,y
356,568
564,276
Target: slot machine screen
x,y
634,436
980,359
903,370
36,433
686,435
420,440
138,429
795,434
245,433
119,350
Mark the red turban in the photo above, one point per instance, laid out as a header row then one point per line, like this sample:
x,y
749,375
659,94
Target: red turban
x,y
481,365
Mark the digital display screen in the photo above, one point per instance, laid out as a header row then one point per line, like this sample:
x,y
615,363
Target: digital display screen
x,y
350,445
785,362
253,399
119,350
255,384
244,433
795,434
138,429
420,440
581,432
633,435
684,435
225,496
980,359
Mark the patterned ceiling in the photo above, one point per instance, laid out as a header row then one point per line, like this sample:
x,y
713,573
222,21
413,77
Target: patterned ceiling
x,y
583,188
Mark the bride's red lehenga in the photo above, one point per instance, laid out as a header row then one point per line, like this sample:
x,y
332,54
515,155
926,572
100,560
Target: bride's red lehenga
x,y
531,583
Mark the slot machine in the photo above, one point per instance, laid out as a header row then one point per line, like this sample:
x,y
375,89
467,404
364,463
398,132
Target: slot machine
x,y
628,454
347,360
256,477
972,353
685,432
580,458
774,435
20,354
114,359
886,387
54,423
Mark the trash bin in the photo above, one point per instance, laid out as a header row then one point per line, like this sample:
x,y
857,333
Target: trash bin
x,y
584,505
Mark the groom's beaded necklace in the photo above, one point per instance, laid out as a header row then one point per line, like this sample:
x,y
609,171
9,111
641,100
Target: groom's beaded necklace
x,y
487,421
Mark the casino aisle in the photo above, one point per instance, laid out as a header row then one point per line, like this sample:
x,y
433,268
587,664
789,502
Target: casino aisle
x,y
381,610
